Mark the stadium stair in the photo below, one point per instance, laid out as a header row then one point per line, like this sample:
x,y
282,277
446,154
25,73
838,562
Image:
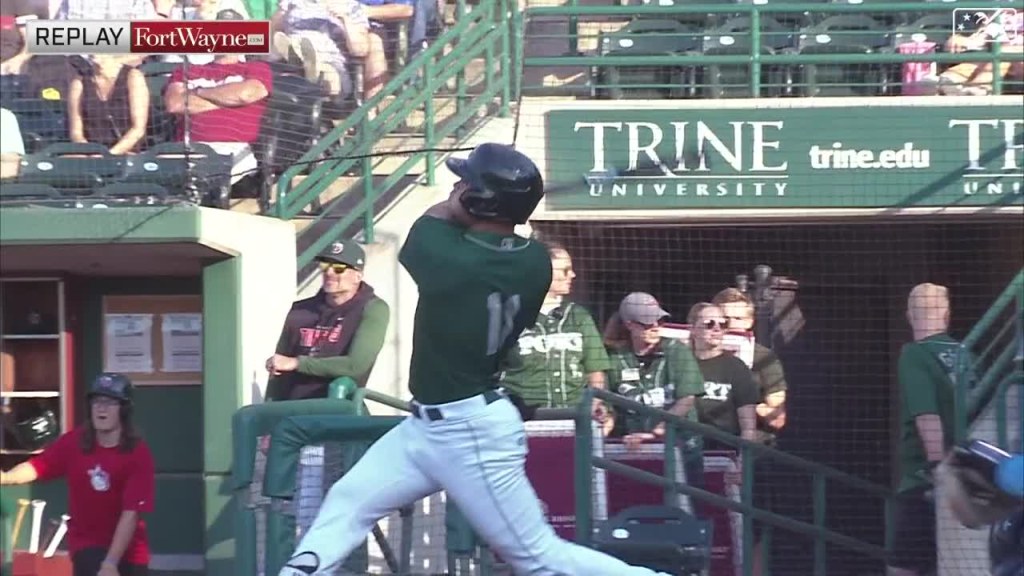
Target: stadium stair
x,y
365,162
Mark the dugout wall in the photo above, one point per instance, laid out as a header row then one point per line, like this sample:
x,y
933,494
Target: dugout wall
x,y
232,272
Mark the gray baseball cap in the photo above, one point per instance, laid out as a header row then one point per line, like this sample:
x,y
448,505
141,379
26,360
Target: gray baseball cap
x,y
642,308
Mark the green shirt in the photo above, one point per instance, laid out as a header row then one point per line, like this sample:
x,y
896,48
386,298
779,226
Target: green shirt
x,y
477,292
656,380
551,361
926,379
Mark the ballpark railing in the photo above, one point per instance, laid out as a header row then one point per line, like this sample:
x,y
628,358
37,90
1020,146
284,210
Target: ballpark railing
x,y
870,495
483,34
990,371
685,42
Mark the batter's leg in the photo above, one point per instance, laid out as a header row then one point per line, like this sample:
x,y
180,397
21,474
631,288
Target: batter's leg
x,y
484,474
384,479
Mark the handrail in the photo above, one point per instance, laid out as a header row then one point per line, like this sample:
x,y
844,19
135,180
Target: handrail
x,y
749,451
475,34
756,58
973,389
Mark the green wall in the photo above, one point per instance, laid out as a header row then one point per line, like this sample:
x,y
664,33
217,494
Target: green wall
x,y
169,417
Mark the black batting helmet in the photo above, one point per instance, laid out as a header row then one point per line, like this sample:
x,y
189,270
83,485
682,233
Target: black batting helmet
x,y
505,185
112,385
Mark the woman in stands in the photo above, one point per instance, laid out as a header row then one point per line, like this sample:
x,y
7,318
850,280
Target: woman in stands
x,y
109,106
109,471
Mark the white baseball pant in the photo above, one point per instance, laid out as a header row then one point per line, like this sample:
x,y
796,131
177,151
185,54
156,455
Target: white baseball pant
x,y
476,453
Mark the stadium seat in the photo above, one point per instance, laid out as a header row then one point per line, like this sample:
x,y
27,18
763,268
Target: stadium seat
x,y
734,38
701,20
292,124
795,20
661,538
934,27
18,193
71,168
888,19
643,37
135,193
42,122
844,34
162,126
196,170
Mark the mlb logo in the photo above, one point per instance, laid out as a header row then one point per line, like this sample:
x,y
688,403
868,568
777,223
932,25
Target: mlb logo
x,y
997,25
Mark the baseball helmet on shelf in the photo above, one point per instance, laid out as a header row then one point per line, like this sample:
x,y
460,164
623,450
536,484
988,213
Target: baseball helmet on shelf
x,y
112,385
38,431
504,184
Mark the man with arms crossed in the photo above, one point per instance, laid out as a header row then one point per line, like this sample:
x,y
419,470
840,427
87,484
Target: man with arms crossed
x,y
479,286
926,380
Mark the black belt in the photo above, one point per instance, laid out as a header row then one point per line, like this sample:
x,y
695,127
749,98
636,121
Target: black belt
x,y
434,414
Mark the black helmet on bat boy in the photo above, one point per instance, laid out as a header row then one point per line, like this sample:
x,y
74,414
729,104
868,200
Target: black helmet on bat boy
x,y
504,184
112,385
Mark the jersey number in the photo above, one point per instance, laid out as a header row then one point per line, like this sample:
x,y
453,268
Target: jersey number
x,y
501,315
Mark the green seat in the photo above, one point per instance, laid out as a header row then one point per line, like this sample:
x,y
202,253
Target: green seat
x,y
794,20
18,193
72,168
644,37
196,169
701,20
844,34
733,38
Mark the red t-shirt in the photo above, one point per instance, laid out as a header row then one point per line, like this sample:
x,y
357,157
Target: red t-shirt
x,y
101,485
238,124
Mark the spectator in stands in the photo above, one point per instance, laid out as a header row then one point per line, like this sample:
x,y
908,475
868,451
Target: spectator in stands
x,y
654,371
771,411
381,13
339,332
110,106
12,146
225,99
114,9
927,378
427,22
975,78
40,77
316,30
767,368
730,395
562,354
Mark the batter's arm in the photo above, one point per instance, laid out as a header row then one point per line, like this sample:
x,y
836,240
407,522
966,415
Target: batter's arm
x,y
366,345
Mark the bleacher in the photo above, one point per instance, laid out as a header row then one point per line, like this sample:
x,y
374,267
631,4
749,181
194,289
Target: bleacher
x,y
677,49
706,49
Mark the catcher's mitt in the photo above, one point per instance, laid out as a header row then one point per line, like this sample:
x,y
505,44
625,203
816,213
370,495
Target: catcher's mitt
x,y
966,480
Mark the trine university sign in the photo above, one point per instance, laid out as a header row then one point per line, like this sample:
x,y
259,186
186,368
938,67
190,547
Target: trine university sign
x,y
829,157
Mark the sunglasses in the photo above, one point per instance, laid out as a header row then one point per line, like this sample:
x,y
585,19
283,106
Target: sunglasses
x,y
647,326
715,324
334,267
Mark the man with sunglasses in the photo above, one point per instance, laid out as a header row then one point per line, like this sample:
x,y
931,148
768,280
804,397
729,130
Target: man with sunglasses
x,y
339,332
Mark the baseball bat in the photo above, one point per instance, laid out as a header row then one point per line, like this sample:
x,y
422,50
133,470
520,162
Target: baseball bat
x,y
18,520
48,534
58,537
37,525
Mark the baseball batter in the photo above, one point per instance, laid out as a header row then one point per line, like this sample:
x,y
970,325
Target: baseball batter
x,y
479,286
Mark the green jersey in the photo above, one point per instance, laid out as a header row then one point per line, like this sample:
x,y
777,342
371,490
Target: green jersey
x,y
926,378
477,292
550,363
657,380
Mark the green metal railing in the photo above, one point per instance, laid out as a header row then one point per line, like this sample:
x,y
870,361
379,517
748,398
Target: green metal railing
x,y
483,32
749,451
989,364
756,58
